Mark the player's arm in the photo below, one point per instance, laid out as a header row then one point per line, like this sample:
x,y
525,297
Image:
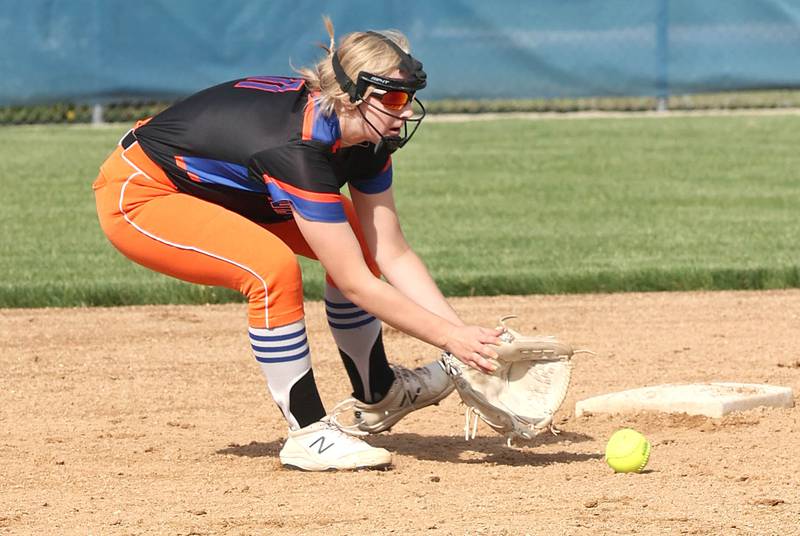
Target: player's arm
x,y
399,264
319,216
338,250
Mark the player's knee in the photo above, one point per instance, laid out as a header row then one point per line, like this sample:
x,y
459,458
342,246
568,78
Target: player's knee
x,y
282,271
275,295
287,269
278,282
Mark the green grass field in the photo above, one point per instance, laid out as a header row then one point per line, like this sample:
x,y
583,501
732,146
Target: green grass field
x,y
505,206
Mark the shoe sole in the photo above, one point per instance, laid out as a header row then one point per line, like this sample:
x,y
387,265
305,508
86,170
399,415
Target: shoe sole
x,y
297,467
295,458
382,427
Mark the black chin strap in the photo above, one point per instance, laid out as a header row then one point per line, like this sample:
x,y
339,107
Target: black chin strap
x,y
392,143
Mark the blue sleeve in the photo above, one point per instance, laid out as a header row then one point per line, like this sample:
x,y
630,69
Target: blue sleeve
x,y
377,184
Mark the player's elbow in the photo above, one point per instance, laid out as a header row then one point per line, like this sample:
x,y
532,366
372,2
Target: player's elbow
x,y
358,289
387,257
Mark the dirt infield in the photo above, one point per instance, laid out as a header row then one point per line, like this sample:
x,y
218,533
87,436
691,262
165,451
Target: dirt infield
x,y
156,420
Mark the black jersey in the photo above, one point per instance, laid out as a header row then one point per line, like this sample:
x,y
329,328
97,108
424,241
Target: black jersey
x,y
260,147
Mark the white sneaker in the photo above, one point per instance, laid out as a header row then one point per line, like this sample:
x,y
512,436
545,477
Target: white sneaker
x,y
411,390
322,446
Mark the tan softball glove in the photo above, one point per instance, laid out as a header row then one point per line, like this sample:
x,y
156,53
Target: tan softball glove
x,y
518,399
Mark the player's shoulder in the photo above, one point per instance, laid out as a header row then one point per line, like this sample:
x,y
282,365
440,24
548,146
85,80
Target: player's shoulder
x,y
362,162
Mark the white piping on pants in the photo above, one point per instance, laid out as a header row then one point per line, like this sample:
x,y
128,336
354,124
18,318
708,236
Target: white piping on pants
x,y
181,246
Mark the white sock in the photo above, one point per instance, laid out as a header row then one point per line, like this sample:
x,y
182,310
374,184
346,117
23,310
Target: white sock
x,y
284,357
358,336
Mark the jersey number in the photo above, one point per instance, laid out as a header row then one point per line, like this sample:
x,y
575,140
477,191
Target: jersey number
x,y
272,84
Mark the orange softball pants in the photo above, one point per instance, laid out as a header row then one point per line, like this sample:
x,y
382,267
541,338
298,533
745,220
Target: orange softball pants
x,y
147,219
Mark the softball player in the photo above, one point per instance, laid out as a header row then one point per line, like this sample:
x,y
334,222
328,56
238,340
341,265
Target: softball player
x,y
227,186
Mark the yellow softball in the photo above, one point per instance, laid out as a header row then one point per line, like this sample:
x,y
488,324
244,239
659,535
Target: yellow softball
x,y
627,451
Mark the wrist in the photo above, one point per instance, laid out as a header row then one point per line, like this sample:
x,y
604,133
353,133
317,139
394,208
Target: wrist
x,y
444,341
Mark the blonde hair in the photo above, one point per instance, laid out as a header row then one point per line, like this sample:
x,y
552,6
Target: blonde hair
x,y
358,51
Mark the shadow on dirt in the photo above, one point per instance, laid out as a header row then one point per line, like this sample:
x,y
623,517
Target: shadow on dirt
x,y
453,449
490,449
254,449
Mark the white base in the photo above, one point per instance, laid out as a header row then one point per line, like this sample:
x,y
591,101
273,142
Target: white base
x,y
713,399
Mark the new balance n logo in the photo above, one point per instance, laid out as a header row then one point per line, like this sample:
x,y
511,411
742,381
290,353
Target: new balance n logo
x,y
409,397
322,446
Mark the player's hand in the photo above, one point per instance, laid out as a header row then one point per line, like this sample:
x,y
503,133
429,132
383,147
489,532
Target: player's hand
x,y
469,344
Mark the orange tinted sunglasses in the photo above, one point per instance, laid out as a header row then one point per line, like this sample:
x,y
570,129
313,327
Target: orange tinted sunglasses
x,y
393,100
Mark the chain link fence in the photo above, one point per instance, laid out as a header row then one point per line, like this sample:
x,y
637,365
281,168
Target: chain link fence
x,y
131,111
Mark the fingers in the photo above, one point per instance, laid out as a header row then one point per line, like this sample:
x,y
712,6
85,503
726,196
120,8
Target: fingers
x,y
491,339
473,346
477,361
489,352
486,337
482,364
490,336
480,359
495,332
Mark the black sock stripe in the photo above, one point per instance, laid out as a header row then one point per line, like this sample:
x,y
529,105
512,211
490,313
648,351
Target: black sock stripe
x,y
305,404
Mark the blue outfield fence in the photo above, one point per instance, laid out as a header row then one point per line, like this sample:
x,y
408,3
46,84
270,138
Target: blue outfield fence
x,y
103,50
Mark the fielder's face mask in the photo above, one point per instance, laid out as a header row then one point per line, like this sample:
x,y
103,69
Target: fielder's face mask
x,y
394,93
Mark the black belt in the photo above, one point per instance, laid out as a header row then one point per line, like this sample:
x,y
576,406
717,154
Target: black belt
x,y
128,140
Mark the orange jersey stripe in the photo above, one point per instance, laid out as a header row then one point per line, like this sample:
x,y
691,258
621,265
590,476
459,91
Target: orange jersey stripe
x,y
308,118
303,194
182,165
142,122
